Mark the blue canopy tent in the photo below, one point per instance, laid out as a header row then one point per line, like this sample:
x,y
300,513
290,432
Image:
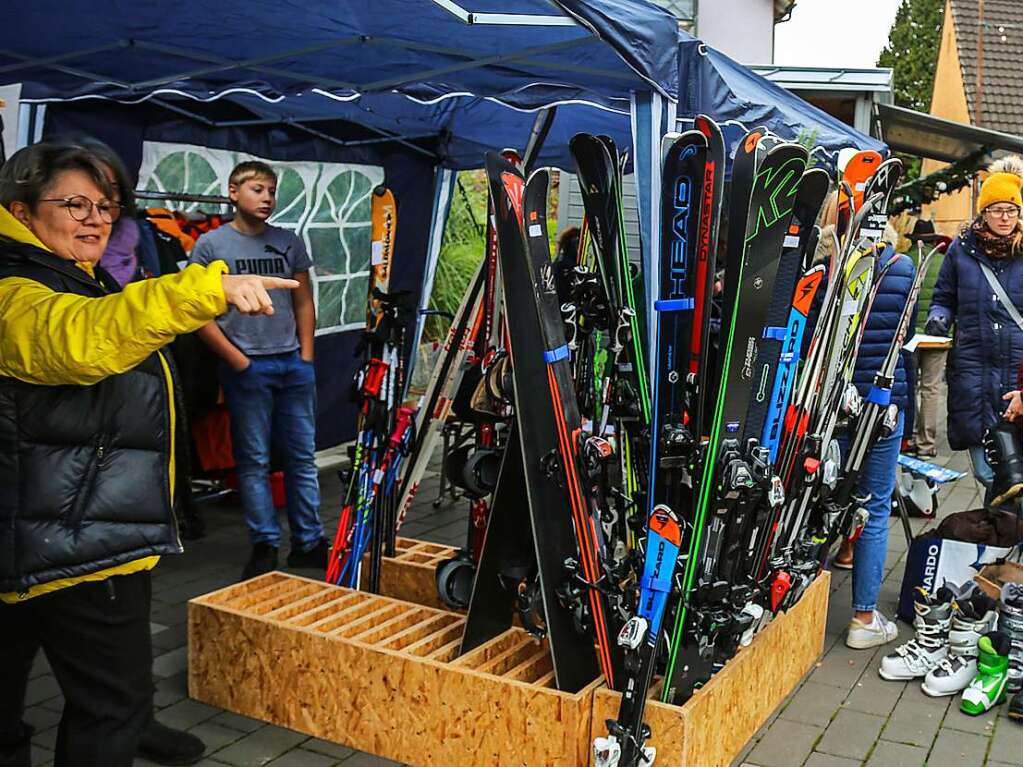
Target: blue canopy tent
x,y
430,85
429,79
739,99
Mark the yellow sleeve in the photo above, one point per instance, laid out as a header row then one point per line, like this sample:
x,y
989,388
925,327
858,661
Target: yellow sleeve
x,y
55,338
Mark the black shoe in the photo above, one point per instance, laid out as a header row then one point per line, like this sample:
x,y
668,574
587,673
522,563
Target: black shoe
x,y
263,560
1016,707
165,745
1004,452
316,557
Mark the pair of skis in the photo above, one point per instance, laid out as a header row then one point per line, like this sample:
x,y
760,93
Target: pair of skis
x,y
550,460
385,428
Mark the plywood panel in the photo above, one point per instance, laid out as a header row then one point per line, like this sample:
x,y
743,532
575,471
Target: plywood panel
x,y
375,691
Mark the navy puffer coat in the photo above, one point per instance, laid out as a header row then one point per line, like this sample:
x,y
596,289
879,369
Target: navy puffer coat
x,y
881,325
988,345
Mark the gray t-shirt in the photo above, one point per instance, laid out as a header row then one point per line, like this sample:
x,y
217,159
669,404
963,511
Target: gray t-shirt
x,y
273,253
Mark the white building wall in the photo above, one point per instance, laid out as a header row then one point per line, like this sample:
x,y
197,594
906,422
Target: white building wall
x,y
741,29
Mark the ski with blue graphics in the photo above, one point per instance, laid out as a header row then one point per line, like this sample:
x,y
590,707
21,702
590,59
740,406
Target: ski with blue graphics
x,y
732,464
689,208
625,406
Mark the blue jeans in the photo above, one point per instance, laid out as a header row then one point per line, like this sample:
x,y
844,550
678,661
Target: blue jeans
x,y
877,478
276,395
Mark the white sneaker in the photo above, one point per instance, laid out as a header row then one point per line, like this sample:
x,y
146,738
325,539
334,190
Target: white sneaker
x,y
863,636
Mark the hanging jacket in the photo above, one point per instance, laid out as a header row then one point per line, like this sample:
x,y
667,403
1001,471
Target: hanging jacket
x,y
882,323
87,415
987,343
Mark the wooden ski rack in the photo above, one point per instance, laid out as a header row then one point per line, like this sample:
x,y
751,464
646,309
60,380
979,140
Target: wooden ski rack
x,y
411,573
381,675
713,726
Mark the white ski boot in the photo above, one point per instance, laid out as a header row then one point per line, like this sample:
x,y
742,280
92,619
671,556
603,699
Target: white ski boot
x,y
972,617
1010,623
923,652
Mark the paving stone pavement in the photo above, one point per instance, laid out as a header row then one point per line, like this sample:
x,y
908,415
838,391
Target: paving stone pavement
x,y
842,714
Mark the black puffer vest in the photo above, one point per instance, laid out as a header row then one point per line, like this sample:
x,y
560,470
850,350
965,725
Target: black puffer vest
x,y
84,470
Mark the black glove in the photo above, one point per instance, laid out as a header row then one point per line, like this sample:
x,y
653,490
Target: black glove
x,y
936,326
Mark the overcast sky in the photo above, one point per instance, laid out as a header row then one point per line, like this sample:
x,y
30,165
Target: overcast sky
x,y
834,33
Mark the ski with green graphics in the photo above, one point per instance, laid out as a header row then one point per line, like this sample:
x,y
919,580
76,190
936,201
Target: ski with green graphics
x,y
625,390
730,464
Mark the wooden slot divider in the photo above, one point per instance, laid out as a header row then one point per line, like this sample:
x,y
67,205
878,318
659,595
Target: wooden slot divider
x,y
413,633
490,649
547,680
417,558
509,658
337,617
446,652
382,631
245,599
423,647
377,612
225,595
284,600
321,599
532,668
328,609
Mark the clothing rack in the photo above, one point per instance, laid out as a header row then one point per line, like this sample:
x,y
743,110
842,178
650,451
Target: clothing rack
x,y
146,194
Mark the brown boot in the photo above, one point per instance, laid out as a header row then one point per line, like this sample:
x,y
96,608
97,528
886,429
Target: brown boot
x,y
844,558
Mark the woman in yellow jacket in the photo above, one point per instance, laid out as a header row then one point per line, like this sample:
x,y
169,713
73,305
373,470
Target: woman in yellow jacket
x,y
87,417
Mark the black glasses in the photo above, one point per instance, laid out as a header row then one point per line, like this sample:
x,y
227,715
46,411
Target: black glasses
x,y
79,207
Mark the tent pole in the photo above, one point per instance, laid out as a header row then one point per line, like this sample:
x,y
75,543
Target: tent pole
x,y
443,189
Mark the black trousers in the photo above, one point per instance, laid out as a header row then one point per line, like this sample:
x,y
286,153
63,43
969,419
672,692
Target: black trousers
x,y
96,638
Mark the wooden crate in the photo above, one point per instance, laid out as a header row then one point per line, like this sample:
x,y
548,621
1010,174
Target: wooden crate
x,y
713,726
410,575
381,675
991,578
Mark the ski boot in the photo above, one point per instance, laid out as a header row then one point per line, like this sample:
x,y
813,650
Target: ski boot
x,y
987,689
1005,454
923,652
1010,623
972,617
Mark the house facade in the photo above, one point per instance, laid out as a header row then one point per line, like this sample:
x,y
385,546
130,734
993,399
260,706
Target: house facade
x,y
976,82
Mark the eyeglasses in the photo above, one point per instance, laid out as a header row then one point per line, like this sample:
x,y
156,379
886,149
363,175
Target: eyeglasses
x,y
79,207
1011,212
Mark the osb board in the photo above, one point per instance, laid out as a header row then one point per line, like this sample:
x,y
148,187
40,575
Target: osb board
x,y
380,675
410,575
713,726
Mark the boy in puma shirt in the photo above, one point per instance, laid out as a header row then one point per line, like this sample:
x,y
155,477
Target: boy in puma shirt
x,y
267,373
